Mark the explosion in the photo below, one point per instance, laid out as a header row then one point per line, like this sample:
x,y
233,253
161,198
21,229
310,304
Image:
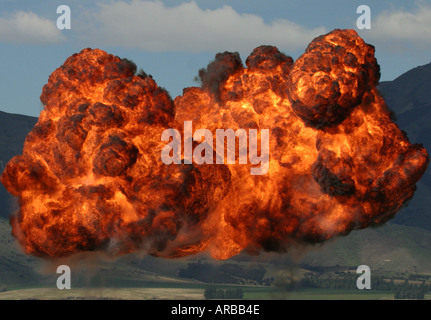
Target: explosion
x,y
91,177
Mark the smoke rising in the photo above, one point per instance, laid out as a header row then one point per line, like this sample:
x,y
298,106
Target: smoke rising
x,y
91,176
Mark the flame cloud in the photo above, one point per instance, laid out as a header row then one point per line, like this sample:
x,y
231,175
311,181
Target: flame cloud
x,y
90,177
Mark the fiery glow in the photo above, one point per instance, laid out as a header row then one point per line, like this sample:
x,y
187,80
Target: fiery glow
x,y
91,176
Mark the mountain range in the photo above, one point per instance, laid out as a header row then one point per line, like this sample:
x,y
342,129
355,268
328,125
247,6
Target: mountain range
x,y
13,130
409,97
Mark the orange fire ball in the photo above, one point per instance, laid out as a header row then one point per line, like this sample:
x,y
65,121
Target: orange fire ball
x,y
91,177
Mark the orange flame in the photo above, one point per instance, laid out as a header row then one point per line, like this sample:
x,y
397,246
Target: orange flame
x,y
91,176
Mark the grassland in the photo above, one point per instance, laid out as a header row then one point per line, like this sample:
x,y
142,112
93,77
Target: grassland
x,y
393,250
189,293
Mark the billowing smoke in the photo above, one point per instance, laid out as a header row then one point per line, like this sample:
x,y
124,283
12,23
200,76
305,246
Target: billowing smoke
x,y
91,177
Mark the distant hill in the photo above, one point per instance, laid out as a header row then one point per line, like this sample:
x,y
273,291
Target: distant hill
x,y
409,97
392,246
13,130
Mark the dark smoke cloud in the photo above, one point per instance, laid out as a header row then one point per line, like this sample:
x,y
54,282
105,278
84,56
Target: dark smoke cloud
x,y
224,65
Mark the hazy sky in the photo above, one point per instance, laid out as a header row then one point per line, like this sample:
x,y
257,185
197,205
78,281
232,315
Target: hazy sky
x,y
172,40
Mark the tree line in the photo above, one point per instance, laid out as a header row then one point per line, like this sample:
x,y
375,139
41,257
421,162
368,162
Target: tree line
x,y
218,293
230,273
402,290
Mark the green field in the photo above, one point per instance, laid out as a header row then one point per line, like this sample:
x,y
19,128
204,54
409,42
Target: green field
x,y
192,293
395,251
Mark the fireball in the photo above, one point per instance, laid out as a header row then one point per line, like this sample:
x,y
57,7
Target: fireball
x,y
91,177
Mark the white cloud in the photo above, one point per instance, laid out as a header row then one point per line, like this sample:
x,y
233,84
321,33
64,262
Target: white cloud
x,y
152,26
27,27
403,28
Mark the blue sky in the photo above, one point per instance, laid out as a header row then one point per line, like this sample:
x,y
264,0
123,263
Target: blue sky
x,y
172,40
